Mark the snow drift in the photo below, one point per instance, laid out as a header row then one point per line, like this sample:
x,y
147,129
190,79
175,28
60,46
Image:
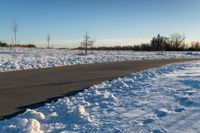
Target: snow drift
x,y
12,59
160,100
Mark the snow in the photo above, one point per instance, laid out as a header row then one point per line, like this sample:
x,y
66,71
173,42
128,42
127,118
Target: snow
x,y
158,100
12,59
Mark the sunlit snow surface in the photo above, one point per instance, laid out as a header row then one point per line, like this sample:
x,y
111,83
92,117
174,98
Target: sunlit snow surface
x,y
12,59
160,100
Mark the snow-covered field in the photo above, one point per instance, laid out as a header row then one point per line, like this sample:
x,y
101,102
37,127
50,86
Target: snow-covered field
x,y
12,59
160,100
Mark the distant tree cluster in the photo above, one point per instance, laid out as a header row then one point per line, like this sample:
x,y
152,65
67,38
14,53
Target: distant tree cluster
x,y
175,42
3,44
25,46
195,46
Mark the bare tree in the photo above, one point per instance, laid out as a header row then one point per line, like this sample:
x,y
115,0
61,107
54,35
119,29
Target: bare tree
x,y
91,46
19,41
14,28
87,42
177,40
195,46
12,41
48,40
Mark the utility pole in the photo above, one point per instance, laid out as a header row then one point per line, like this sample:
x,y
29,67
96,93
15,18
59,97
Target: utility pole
x,y
15,30
48,40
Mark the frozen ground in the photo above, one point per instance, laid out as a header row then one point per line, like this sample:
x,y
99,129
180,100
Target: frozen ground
x,y
12,59
160,100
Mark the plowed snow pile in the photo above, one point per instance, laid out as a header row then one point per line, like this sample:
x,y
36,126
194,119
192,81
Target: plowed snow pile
x,y
165,99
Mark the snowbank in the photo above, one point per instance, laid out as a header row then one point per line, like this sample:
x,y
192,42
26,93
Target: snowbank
x,y
160,100
12,59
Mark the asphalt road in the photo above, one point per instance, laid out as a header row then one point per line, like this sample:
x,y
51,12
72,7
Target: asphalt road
x,y
24,89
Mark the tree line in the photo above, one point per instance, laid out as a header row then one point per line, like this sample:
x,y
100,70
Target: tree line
x,y
175,42
3,44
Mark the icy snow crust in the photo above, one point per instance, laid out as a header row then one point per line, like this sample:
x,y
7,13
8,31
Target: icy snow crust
x,y
12,59
160,100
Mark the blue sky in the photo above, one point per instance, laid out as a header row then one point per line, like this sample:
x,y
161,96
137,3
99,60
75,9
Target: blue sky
x,y
109,21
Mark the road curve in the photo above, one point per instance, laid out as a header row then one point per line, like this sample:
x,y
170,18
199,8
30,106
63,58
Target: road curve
x,y
24,89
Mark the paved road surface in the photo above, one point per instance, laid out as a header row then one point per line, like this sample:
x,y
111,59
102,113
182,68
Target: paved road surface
x,y
20,90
